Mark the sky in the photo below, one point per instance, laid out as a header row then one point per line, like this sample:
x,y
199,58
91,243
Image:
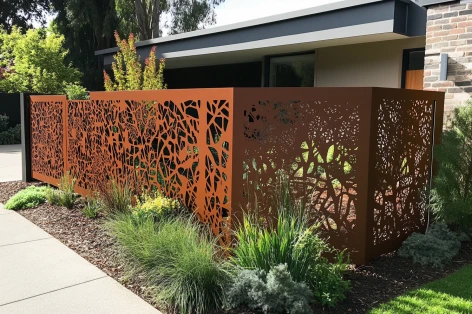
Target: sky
x,y
234,11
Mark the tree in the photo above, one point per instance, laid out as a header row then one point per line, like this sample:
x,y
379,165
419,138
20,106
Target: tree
x,y
22,13
145,16
128,72
35,62
87,26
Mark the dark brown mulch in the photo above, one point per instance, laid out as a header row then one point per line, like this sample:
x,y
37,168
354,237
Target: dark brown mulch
x,y
381,280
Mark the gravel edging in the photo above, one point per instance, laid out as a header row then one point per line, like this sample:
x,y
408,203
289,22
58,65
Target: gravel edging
x,y
381,280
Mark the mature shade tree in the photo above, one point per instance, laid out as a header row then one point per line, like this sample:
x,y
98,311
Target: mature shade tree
x,y
87,26
145,17
34,62
22,13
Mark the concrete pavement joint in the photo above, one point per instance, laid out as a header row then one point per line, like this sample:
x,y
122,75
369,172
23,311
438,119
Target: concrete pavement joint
x,y
9,244
55,290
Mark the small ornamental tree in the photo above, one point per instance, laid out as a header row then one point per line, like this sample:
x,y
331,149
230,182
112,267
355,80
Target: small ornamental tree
x,y
452,193
128,72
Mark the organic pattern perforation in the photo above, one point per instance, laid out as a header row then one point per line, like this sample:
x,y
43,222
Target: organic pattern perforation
x,y
402,168
47,138
180,148
315,142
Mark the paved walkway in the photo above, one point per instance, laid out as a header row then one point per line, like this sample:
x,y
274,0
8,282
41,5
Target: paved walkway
x,y
10,163
40,275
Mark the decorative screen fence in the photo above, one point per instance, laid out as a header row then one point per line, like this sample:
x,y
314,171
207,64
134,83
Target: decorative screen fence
x,y
361,157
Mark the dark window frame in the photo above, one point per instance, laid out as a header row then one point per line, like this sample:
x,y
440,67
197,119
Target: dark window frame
x,y
293,54
406,62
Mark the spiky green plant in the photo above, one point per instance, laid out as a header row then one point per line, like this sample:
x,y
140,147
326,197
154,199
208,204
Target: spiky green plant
x,y
289,238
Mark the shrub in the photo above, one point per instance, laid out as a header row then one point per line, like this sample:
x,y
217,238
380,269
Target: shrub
x,y
435,248
9,136
155,205
30,197
128,72
452,193
275,292
114,198
76,92
291,241
92,206
4,122
177,257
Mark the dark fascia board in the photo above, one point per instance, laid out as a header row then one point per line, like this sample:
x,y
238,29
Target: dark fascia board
x,y
252,23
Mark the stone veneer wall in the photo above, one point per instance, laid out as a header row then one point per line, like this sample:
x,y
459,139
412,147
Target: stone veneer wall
x,y
449,30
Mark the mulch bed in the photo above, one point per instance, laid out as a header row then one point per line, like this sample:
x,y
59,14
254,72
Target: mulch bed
x,y
381,280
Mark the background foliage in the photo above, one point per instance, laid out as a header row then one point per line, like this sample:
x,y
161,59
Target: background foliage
x,y
35,62
452,193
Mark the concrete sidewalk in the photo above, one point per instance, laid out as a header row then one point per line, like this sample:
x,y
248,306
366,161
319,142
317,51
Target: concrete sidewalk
x,y
10,163
40,275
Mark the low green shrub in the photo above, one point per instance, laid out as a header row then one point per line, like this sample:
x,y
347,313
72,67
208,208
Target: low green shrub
x,y
177,257
11,136
294,242
155,205
275,292
435,248
92,206
30,197
115,198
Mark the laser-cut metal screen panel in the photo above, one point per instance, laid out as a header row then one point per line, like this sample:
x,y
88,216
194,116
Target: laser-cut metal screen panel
x,y
176,140
360,156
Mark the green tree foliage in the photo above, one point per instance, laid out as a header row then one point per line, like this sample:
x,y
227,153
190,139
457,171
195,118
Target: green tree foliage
x,y
87,26
22,13
35,62
145,17
452,193
128,72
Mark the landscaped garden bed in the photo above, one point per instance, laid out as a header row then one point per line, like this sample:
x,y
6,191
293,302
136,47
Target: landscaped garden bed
x,y
382,279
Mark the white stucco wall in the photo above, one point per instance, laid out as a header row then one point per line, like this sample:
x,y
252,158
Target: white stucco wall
x,y
377,64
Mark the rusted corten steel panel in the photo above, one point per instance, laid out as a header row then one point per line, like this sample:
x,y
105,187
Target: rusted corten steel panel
x,y
361,157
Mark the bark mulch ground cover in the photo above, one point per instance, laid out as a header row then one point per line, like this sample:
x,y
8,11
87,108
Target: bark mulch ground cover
x,y
381,280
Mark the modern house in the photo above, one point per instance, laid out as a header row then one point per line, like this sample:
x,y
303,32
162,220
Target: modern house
x,y
382,43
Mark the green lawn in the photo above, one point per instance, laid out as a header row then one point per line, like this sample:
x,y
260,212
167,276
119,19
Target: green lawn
x,y
452,294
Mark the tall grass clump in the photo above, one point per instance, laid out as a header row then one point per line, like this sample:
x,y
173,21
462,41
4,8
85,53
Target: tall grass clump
x,y
290,239
65,195
115,198
177,257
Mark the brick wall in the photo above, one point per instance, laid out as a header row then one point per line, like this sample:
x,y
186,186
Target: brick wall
x,y
449,30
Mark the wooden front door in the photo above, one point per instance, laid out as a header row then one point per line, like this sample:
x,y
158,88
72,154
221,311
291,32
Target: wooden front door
x,y
414,79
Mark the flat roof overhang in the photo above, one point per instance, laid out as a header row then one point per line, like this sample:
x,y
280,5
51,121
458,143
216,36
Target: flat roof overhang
x,y
340,23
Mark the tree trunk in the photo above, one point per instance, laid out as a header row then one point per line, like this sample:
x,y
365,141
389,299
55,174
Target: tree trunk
x,y
141,17
155,19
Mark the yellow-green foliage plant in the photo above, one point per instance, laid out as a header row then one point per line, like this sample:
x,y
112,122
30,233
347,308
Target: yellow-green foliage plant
x,y
128,72
155,205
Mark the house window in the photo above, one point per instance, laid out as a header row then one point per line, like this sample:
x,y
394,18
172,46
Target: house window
x,y
292,71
